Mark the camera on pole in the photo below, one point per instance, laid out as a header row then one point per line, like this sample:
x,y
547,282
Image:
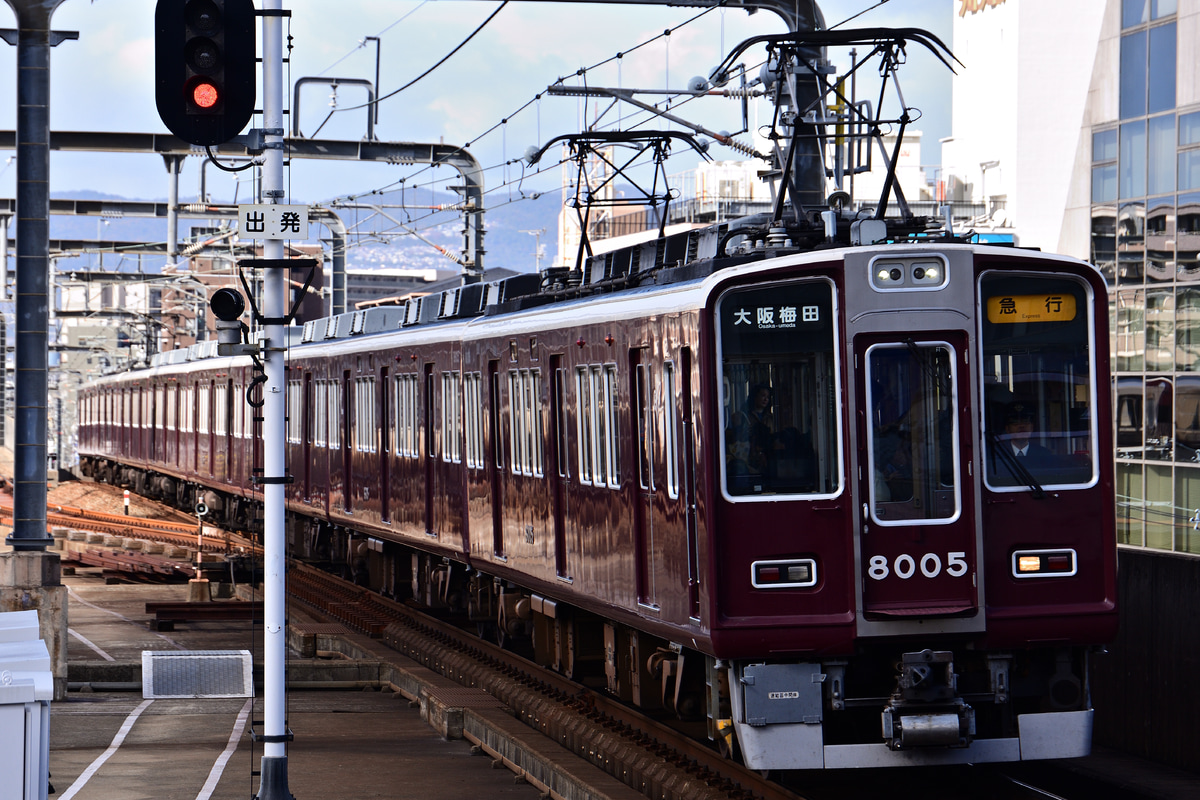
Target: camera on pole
x,y
227,306
205,68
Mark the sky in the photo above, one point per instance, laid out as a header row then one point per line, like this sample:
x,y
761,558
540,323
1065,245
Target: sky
x,y
483,96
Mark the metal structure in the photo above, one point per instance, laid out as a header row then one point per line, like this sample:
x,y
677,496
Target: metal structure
x,y
336,150
33,40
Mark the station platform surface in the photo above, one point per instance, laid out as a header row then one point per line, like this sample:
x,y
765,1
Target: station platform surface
x,y
115,745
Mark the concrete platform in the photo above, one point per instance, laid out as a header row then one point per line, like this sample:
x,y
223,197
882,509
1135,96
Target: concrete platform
x,y
348,745
358,741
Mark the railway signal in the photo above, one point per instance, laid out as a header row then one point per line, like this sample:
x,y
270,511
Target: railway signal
x,y
204,68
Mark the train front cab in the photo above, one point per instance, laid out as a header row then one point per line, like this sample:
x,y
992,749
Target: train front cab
x,y
919,596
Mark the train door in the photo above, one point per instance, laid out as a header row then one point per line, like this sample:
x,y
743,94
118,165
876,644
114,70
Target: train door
x,y
347,426
138,427
642,392
208,412
559,470
308,421
153,400
227,413
384,433
918,534
679,391
430,447
497,458
173,424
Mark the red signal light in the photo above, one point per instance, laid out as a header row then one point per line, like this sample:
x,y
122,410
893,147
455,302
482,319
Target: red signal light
x,y
205,95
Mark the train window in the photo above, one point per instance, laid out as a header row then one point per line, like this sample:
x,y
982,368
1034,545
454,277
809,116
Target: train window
x,y
780,426
596,404
221,410
473,407
293,412
364,415
560,405
645,423
525,416
335,414
320,408
517,458
671,410
451,418
239,411
1038,382
585,414
406,415
913,440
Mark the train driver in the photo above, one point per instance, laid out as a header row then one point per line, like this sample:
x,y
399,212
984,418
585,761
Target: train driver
x,y
1018,446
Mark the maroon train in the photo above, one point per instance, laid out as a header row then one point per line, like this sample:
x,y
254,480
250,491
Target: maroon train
x,y
780,489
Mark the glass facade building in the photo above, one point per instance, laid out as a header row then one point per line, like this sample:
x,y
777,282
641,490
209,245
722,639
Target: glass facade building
x,y
1145,236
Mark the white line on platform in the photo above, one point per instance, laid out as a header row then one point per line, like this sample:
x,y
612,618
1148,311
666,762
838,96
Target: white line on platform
x,y
75,596
90,644
214,777
94,767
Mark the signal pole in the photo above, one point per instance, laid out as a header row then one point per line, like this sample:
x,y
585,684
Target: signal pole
x,y
273,783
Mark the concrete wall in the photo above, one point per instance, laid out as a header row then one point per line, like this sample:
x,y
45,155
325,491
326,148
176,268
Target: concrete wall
x,y
1146,691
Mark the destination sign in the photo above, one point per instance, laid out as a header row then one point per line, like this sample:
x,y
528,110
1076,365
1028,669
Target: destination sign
x,y
1031,308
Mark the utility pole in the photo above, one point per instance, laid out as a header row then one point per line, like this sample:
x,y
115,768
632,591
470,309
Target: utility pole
x,y
273,784
538,250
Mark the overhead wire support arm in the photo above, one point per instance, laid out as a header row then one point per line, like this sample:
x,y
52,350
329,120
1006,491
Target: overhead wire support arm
x,y
587,145
627,96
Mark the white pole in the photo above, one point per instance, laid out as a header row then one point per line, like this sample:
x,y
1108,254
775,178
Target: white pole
x,y
273,782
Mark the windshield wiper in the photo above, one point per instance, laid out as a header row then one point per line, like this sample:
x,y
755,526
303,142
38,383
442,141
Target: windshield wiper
x,y
1019,470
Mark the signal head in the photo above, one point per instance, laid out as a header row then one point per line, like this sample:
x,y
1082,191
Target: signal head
x,y
227,304
205,67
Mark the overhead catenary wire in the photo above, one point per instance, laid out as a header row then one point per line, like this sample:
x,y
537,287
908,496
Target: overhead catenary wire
x,y
673,101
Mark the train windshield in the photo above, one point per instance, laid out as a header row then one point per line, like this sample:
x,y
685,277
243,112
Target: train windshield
x,y
914,432
779,429
1038,382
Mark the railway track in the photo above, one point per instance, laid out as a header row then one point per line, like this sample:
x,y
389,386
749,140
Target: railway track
x,y
179,534
643,753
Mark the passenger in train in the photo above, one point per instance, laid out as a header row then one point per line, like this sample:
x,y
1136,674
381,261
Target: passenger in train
x,y
897,469
750,438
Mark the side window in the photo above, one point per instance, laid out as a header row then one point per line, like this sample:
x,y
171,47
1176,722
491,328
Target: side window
x,y
671,418
335,414
525,422
364,415
321,407
294,419
596,390
451,418
780,431
473,419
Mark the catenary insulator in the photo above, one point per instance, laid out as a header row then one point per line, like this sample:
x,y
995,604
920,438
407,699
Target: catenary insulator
x,y
740,147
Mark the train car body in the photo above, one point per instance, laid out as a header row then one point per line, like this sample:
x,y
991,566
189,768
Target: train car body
x,y
853,505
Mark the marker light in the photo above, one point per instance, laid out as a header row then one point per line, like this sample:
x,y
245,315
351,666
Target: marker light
x,y
1044,563
798,573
